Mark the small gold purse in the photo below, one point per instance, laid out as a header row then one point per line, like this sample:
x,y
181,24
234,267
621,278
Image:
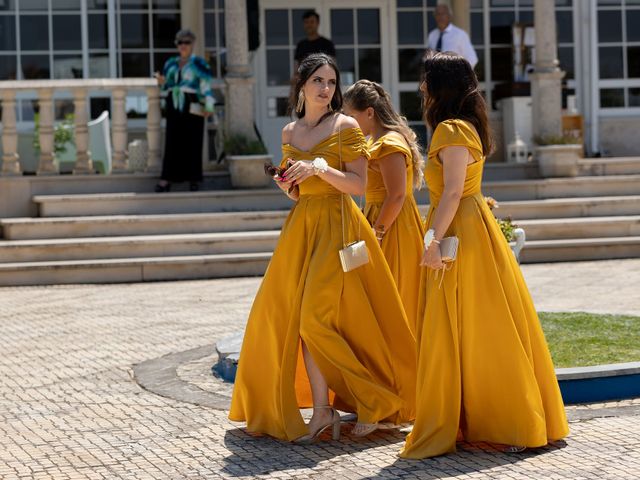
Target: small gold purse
x,y
354,254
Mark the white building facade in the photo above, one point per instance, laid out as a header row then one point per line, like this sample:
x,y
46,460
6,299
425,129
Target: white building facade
x,y
598,46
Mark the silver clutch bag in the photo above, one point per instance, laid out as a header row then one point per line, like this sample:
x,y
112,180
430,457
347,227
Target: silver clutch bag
x,y
353,256
449,249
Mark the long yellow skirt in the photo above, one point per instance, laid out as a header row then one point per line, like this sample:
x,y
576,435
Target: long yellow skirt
x,y
352,323
484,366
402,246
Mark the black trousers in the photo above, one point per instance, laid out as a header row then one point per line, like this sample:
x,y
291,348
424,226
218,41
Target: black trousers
x,y
183,144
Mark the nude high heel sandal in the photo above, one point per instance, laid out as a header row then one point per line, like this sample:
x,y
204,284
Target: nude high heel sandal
x,y
314,436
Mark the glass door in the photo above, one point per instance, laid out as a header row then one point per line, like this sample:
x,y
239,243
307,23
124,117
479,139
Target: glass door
x,y
355,27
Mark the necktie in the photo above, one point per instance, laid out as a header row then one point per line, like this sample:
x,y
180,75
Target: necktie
x,y
439,44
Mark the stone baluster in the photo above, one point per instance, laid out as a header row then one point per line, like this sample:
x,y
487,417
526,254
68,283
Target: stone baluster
x,y
10,157
153,130
84,164
119,128
47,165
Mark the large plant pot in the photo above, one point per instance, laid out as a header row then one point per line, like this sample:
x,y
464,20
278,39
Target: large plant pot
x,y
247,171
558,160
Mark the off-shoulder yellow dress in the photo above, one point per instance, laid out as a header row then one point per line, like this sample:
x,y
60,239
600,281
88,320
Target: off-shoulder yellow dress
x,y
402,244
352,323
484,366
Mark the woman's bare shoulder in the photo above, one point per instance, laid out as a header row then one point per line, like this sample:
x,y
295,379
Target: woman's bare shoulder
x,y
287,132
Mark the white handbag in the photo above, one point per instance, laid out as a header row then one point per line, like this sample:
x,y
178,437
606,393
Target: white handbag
x,y
354,254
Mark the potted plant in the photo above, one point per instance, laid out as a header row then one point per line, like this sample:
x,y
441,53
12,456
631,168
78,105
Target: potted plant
x,y
512,233
246,159
557,156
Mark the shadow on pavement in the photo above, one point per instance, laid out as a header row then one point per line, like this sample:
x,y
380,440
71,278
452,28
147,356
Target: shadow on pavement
x,y
469,458
260,455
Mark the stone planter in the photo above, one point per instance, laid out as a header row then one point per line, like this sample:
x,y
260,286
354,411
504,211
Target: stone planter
x,y
558,160
247,171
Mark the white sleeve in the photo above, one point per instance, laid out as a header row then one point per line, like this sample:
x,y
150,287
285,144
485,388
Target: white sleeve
x,y
432,39
467,49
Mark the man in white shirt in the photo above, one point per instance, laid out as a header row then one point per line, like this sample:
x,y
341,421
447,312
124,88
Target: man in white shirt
x,y
449,38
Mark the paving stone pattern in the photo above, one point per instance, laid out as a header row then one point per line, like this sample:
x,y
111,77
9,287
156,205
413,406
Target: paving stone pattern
x,y
70,407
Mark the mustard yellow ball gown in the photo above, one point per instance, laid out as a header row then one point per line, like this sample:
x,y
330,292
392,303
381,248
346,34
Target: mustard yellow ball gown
x,y
402,243
352,323
484,366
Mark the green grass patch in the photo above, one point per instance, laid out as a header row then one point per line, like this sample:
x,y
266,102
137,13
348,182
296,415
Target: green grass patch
x,y
583,339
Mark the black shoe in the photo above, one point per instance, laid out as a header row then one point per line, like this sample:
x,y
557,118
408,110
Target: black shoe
x,y
194,187
163,188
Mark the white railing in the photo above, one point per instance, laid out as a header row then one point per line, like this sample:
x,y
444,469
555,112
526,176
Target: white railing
x,y
79,88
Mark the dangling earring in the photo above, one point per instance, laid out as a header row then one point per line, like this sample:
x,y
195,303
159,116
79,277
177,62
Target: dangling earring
x,y
330,107
300,104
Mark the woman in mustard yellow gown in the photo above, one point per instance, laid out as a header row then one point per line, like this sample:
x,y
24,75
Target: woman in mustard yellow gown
x,y
484,367
317,336
394,169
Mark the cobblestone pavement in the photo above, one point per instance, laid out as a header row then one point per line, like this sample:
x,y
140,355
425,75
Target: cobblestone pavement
x,y
70,408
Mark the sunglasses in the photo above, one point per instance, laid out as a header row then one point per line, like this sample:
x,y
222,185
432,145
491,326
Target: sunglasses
x,y
183,42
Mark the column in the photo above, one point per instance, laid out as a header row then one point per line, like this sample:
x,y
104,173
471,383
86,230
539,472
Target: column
x,y
153,130
240,102
10,157
546,81
192,17
461,14
84,164
47,164
119,131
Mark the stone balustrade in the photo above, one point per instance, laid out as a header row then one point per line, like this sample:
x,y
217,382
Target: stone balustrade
x,y
80,88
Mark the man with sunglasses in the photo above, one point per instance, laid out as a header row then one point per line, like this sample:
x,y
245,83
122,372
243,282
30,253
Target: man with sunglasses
x,y
187,80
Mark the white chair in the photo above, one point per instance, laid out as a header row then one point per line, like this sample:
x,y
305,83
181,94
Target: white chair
x,y
100,142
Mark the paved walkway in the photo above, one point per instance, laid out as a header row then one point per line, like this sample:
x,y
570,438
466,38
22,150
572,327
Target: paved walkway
x,y
71,408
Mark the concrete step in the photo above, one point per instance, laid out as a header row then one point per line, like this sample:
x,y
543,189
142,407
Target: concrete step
x,y
570,207
129,270
129,225
610,166
273,199
568,228
254,264
137,246
163,203
572,250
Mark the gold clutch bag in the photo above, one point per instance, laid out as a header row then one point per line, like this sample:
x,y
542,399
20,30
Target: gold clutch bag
x,y
449,249
353,256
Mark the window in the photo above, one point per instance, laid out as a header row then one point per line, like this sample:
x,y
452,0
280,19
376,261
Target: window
x,y
214,36
414,22
619,53
146,32
495,68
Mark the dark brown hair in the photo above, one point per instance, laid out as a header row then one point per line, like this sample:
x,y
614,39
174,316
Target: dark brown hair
x,y
364,94
308,67
452,93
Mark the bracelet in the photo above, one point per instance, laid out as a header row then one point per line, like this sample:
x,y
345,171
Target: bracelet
x,y
379,231
319,165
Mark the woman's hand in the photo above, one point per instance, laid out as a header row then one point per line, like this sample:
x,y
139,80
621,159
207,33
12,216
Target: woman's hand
x,y
284,185
160,78
431,258
299,172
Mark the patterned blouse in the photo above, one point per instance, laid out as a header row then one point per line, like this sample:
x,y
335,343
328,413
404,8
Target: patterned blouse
x,y
194,77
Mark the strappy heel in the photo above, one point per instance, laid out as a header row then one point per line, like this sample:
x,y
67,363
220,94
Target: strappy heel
x,y
514,449
313,436
367,429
